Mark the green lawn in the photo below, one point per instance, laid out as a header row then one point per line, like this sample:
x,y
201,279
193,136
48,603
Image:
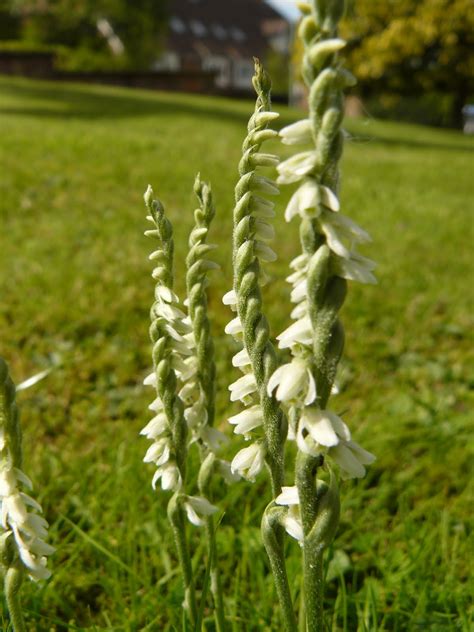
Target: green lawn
x,y
76,290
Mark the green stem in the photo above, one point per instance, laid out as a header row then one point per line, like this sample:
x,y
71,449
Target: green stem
x,y
177,520
313,588
13,580
272,535
216,587
306,470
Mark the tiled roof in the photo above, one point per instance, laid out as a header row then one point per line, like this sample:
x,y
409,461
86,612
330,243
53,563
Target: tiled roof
x,y
233,28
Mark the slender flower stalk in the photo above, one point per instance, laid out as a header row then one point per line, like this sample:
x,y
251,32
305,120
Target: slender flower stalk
x,y
201,411
184,378
310,509
257,360
23,549
168,429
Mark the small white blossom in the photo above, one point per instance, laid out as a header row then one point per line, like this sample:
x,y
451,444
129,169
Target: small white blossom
x,y
247,420
296,133
250,461
355,268
241,359
296,167
299,332
230,299
292,524
311,195
155,427
288,496
339,229
351,458
243,387
170,477
17,517
158,453
323,430
293,381
234,327
197,506
292,521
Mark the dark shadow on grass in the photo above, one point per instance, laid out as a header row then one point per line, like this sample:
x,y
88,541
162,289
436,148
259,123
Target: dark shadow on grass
x,y
77,102
404,143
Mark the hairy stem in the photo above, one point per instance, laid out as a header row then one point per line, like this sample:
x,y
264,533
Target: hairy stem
x,y
13,581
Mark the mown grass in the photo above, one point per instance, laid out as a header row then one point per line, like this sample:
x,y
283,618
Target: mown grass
x,y
76,289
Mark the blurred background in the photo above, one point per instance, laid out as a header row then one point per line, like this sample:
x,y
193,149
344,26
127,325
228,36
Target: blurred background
x,y
414,59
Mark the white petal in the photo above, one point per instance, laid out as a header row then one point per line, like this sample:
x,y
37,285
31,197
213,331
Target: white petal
x,y
201,505
31,381
155,426
299,292
247,420
296,167
241,359
355,268
249,461
163,292
16,509
242,387
320,428
329,199
299,332
156,405
274,380
289,496
293,381
150,379
230,298
234,327
299,132
339,426
31,502
8,482
192,516
300,311
300,262
347,461
364,457
293,527
311,392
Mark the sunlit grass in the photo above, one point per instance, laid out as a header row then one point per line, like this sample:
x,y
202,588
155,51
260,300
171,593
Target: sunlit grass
x,y
76,291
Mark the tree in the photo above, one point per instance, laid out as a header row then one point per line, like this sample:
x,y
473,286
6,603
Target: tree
x,y
412,47
74,24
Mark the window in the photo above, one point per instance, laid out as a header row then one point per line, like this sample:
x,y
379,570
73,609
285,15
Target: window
x,y
237,34
177,25
243,73
198,28
219,31
221,66
167,61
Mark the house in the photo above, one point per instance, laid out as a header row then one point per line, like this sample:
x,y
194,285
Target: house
x,y
223,37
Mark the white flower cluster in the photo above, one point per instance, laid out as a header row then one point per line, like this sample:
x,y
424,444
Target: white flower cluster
x,y
256,212
293,383
249,461
322,431
177,328
184,362
19,515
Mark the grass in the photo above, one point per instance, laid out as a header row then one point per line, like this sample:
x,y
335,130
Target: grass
x,y
76,289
